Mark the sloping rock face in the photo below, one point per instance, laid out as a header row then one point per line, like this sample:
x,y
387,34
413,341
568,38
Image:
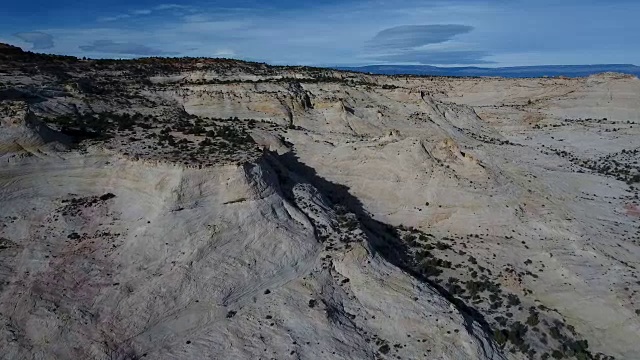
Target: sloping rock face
x,y
198,208
536,179
129,258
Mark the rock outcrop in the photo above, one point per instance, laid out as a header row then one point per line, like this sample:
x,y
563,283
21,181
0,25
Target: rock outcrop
x,y
200,208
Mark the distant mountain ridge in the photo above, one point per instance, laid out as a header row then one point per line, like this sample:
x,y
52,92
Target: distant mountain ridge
x,y
507,72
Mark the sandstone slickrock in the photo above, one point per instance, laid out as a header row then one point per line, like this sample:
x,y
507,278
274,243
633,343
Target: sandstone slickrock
x,y
198,208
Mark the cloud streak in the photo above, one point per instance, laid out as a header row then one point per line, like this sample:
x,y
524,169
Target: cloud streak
x,y
114,18
145,12
424,44
123,48
39,40
437,57
411,36
170,7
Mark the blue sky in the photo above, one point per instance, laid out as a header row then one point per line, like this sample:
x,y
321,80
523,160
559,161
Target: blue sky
x,y
330,32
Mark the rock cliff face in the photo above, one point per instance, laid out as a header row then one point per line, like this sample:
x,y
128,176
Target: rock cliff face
x,y
197,208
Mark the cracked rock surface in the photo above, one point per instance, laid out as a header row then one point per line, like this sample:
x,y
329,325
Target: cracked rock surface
x,y
201,208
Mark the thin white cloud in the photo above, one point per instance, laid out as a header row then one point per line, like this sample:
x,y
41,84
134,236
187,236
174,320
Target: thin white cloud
x,y
142,12
200,17
213,28
228,53
113,18
170,7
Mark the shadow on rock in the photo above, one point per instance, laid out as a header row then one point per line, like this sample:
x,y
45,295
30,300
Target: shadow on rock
x,y
383,238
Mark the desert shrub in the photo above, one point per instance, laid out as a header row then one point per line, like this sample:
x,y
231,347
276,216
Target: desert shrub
x,y
533,320
500,336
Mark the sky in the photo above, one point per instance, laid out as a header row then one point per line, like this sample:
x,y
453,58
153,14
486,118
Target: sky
x,y
489,33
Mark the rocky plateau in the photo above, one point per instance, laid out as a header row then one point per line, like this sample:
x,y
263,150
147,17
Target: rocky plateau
x,y
196,208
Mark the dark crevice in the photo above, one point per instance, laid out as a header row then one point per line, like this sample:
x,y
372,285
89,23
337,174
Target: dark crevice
x,y
382,238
